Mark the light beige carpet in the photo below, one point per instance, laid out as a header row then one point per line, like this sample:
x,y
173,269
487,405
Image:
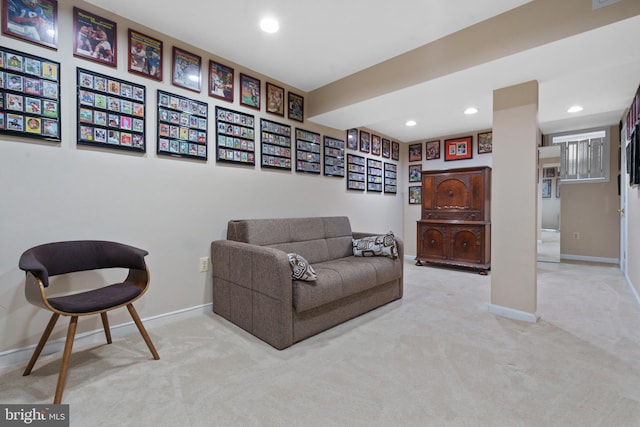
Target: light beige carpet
x,y
435,358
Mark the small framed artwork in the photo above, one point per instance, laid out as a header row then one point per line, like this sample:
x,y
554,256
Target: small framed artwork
x,y
352,139
415,152
549,172
386,148
296,107
458,148
221,81
186,70
415,195
35,22
485,142
376,145
249,91
395,150
546,188
365,141
415,173
95,38
145,55
275,99
432,149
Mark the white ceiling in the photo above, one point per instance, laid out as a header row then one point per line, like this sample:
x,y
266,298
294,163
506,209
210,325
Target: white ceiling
x,y
323,41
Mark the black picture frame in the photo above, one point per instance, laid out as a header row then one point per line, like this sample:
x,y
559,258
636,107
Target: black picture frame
x,y
182,127
30,104
111,112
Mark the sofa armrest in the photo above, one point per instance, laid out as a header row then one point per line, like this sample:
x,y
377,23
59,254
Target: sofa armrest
x,y
399,242
252,287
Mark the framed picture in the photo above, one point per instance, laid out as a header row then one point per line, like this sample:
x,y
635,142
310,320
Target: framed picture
x,y
485,142
186,69
95,38
35,22
365,141
546,188
395,150
221,80
549,172
415,152
352,139
386,148
415,195
415,173
145,55
432,149
275,99
249,91
296,107
457,148
376,145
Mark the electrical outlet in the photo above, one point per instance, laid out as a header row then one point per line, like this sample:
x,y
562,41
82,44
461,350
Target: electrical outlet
x,y
204,264
576,235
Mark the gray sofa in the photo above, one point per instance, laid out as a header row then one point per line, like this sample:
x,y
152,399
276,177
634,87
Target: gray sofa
x,y
253,287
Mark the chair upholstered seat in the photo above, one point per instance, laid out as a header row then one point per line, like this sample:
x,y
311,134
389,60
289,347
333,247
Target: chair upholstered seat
x,y
96,299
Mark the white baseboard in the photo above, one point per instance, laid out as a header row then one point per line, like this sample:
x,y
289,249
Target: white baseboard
x,y
632,288
512,313
22,355
590,259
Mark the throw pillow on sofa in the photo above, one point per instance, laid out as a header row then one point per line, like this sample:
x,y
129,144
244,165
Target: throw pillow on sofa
x,y
384,245
301,269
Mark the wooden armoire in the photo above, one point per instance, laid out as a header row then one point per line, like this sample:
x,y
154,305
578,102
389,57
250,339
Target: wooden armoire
x,y
455,223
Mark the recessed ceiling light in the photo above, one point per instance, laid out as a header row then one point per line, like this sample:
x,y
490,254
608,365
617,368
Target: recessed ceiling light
x,y
575,109
269,25
411,123
471,110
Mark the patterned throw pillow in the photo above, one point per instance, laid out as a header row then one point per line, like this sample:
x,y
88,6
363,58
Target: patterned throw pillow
x,y
301,269
376,246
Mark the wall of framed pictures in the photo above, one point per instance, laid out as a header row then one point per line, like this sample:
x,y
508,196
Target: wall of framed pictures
x,y
275,139
182,126
307,151
333,157
111,112
29,96
235,133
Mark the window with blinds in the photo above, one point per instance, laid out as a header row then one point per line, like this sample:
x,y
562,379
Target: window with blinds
x,y
584,157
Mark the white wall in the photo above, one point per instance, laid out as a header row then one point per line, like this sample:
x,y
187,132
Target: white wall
x,y
171,207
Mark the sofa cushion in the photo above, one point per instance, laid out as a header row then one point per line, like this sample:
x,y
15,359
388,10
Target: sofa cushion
x,y
301,269
384,245
343,277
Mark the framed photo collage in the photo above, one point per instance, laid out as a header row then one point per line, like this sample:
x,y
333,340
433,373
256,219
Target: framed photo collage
x,y
111,112
29,96
182,126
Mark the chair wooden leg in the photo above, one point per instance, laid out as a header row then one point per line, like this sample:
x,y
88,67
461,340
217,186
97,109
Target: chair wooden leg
x,y
66,356
105,325
143,331
43,341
